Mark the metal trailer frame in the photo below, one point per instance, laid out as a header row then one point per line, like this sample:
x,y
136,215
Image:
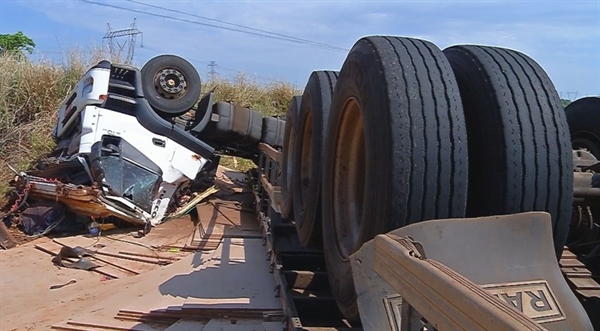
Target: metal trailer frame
x,y
404,284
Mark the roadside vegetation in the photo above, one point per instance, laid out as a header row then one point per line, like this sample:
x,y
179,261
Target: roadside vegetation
x,y
31,90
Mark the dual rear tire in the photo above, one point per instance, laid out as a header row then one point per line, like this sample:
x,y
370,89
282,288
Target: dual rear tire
x,y
415,134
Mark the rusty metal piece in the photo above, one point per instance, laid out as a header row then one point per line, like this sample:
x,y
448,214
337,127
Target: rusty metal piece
x,y
83,200
6,238
586,192
583,158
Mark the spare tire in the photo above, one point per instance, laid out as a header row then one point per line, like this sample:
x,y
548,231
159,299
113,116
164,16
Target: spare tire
x,y
171,85
520,156
287,162
308,155
583,116
396,150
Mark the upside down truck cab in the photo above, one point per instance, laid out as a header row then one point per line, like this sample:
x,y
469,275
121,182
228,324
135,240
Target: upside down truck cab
x,y
122,130
132,152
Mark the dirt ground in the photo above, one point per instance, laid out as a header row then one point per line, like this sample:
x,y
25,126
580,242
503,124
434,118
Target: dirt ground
x,y
27,272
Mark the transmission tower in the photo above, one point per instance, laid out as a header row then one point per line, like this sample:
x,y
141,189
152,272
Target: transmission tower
x,y
575,94
130,34
212,72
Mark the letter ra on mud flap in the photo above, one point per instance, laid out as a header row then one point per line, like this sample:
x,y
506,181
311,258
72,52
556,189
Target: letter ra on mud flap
x,y
534,299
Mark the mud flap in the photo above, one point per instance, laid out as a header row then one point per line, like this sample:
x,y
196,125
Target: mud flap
x,y
511,256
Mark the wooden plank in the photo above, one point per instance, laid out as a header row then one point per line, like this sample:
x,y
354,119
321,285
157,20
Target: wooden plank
x,y
270,151
274,193
570,263
116,265
115,325
585,283
124,257
67,328
150,256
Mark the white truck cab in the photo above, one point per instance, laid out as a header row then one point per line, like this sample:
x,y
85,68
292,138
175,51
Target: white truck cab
x,y
130,151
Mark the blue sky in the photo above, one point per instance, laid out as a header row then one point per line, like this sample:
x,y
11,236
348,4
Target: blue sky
x,y
563,36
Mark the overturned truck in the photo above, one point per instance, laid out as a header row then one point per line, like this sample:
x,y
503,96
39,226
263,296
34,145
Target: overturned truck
x,y
132,143
415,188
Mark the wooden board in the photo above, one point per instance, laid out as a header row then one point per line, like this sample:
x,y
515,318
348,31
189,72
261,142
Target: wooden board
x,y
137,286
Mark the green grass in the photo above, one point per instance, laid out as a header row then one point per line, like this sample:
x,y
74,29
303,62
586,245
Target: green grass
x,y
30,92
270,99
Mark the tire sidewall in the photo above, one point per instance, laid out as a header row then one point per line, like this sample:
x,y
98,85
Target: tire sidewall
x,y
291,133
583,115
167,107
358,82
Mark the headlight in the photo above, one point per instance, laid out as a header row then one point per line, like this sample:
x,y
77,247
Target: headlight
x,y
89,86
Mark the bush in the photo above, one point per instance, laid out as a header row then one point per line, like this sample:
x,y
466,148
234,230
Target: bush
x,y
270,99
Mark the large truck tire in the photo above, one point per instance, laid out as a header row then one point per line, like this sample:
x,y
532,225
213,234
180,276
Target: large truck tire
x,y
396,150
171,85
583,116
520,155
308,155
287,155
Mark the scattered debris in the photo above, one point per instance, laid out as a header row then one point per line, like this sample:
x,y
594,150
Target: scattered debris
x,y
84,200
55,287
47,251
79,253
6,238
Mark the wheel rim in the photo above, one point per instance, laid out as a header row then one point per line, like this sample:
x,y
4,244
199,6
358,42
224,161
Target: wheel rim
x,y
588,141
170,83
306,161
349,170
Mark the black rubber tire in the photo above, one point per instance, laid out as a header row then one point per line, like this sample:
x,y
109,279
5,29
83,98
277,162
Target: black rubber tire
x,y
520,156
287,157
396,150
308,156
272,131
162,103
583,116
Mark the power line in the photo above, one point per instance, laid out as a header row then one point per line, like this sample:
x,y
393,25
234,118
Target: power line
x,y
212,73
208,63
214,26
131,34
239,25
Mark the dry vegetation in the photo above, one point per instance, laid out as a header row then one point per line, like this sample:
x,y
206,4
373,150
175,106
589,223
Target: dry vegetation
x,y
30,92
